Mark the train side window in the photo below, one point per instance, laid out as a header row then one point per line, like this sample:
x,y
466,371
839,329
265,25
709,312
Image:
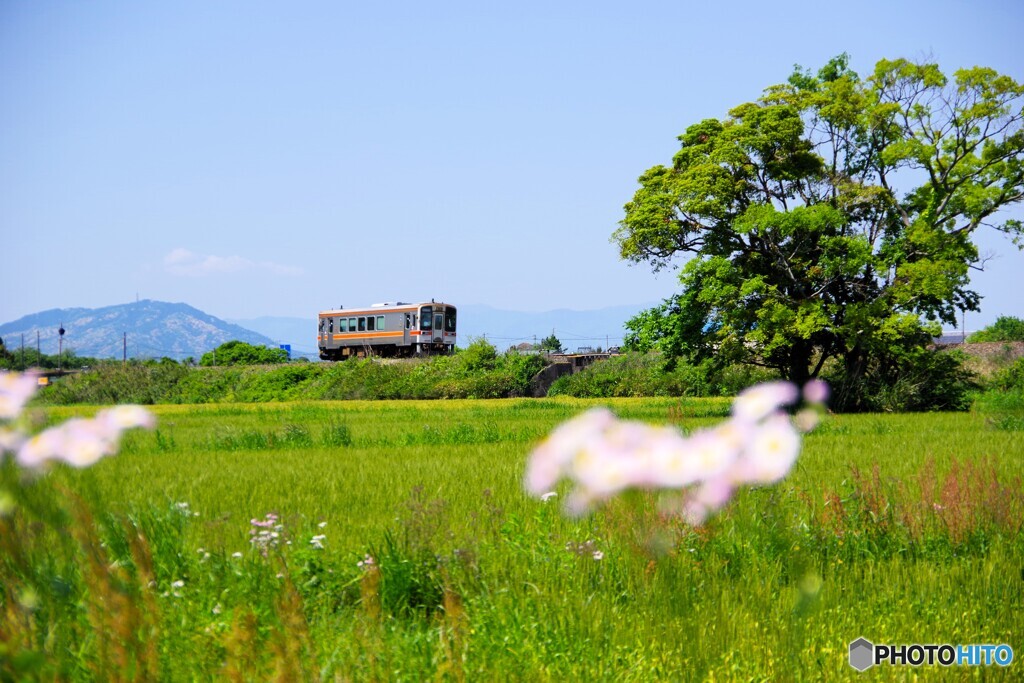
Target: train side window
x,y
369,323
380,322
351,324
362,324
330,325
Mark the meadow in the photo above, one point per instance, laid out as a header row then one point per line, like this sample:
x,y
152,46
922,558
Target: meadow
x,y
393,540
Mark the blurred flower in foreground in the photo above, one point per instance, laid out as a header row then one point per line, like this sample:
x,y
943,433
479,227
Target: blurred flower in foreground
x,y
603,455
79,441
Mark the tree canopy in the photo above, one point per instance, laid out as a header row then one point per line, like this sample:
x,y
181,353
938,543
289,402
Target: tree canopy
x,y
551,344
833,218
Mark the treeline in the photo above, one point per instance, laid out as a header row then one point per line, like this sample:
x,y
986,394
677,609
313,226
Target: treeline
x,y
929,379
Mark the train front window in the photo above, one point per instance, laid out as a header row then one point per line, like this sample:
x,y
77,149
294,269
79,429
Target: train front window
x,y
449,320
426,317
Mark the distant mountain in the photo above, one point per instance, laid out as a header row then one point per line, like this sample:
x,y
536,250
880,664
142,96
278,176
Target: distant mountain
x,y
152,329
602,327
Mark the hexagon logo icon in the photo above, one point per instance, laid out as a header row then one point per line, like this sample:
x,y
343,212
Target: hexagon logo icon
x,y
862,654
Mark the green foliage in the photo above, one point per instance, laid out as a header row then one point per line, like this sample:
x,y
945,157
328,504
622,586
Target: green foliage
x,y
22,359
1004,329
241,353
804,249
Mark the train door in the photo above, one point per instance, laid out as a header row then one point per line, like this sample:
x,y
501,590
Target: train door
x,y
406,328
438,326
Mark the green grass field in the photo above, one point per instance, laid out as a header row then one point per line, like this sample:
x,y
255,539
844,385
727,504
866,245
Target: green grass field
x,y
899,528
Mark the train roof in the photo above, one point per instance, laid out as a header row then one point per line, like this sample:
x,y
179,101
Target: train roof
x,y
385,306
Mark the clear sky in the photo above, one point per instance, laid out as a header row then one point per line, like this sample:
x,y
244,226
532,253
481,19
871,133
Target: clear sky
x,y
277,158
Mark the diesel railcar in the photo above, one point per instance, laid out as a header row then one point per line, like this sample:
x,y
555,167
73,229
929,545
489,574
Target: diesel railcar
x,y
388,329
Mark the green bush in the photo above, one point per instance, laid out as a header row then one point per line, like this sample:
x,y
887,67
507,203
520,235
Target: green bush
x,y
241,353
1009,379
916,380
140,382
647,374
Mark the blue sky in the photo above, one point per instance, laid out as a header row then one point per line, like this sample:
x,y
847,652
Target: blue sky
x,y
254,158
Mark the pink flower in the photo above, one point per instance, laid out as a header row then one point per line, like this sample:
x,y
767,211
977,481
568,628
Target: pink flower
x,y
120,418
603,456
760,401
15,391
550,458
81,442
816,391
773,448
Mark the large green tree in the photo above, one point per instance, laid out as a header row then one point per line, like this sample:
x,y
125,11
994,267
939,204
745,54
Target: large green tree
x,y
832,218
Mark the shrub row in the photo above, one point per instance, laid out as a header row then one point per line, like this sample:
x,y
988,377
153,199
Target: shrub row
x,y
475,372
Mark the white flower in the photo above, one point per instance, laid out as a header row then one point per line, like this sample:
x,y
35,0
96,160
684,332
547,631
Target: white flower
x,y
236,555
321,525
318,541
598,555
548,496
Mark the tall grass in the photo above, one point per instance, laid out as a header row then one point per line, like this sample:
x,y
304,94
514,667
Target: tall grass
x,y
899,528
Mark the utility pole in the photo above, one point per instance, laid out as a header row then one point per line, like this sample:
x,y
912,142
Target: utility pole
x,y
60,348
39,353
22,351
124,352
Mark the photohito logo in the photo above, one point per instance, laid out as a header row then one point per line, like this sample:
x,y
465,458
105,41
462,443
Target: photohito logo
x,y
864,654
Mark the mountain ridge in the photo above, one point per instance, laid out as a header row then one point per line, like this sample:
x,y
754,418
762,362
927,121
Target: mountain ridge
x,y
145,329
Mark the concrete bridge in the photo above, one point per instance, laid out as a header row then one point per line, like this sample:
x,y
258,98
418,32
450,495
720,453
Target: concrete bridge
x,y
562,364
